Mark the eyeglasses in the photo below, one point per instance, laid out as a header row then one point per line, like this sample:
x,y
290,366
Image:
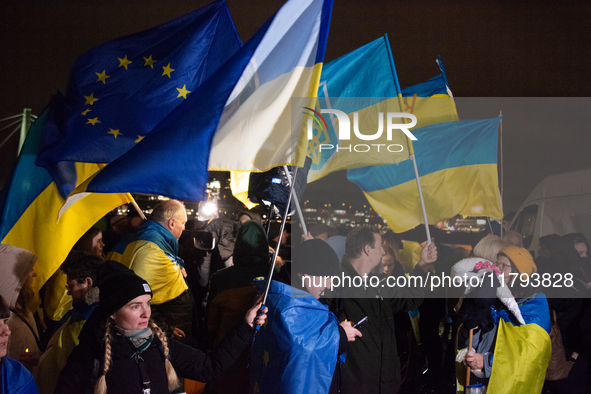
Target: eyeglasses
x,y
502,266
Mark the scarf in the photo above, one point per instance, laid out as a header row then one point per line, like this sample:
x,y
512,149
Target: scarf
x,y
140,339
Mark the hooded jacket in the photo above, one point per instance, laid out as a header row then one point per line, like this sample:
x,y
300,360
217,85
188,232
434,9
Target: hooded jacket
x,y
17,264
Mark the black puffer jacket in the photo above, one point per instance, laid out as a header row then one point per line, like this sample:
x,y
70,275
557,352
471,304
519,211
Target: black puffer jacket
x,y
124,375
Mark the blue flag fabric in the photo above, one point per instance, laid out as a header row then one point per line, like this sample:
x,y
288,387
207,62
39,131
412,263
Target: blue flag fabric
x,y
296,350
122,90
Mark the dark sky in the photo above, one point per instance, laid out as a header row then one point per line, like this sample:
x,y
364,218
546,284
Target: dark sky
x,y
490,49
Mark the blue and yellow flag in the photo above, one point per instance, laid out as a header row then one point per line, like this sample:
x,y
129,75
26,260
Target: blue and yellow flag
x,y
258,130
296,350
364,82
154,250
34,216
431,101
122,91
522,352
457,163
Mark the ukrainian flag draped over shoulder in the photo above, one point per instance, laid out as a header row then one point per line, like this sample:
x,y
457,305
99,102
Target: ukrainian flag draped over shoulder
x,y
33,213
257,130
152,253
296,350
457,163
522,352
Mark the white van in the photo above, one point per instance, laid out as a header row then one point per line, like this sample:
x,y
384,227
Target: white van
x,y
559,204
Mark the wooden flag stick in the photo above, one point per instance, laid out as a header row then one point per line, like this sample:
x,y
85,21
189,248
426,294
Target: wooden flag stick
x,y
469,349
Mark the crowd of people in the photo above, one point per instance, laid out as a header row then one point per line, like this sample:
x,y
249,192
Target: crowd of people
x,y
167,298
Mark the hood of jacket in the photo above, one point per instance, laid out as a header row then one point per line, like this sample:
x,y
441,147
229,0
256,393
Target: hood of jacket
x,y
17,263
251,248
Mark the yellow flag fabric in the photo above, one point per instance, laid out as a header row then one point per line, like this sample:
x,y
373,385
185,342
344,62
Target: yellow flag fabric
x,y
165,278
239,185
34,215
55,358
521,357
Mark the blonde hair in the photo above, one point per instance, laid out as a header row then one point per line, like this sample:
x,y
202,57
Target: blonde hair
x,y
488,248
173,380
101,383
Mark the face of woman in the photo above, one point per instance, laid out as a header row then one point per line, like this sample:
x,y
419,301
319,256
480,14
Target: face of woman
x,y
32,275
4,334
97,244
388,262
504,265
135,314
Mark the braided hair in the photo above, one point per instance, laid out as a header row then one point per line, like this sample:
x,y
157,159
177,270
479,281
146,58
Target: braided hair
x,y
173,381
101,383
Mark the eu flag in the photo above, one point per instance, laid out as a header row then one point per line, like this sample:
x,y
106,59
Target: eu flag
x,y
121,90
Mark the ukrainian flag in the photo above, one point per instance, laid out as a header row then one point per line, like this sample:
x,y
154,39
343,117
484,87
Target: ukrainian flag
x,y
33,213
457,163
365,81
258,130
431,101
155,250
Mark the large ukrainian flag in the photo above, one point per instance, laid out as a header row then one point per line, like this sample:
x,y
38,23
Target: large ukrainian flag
x,y
257,130
33,213
457,163
365,81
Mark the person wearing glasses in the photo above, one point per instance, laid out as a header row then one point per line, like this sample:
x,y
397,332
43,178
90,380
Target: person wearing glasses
x,y
512,346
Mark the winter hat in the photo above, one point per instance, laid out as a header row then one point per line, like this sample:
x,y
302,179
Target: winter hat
x,y
118,285
316,258
521,258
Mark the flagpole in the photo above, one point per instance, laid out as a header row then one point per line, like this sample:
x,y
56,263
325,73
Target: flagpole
x,y
277,248
137,208
409,142
295,197
501,154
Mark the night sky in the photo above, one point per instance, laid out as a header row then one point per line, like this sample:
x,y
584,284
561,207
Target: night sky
x,y
525,49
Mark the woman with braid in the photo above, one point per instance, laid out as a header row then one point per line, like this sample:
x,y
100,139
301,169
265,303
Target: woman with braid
x,y
122,351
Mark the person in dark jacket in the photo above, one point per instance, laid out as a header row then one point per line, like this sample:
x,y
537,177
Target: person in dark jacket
x,y
122,351
231,293
372,364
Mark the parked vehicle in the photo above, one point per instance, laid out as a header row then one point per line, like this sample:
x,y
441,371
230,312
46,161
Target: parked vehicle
x,y
559,204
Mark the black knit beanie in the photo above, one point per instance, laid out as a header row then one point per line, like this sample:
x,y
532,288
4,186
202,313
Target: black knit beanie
x,y
316,258
118,285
